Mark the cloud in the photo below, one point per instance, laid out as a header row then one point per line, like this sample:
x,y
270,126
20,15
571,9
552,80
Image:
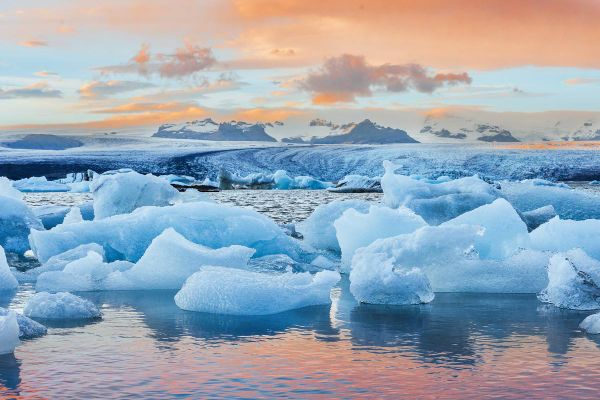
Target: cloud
x,y
185,61
45,74
147,107
265,114
36,90
98,89
33,43
343,78
581,81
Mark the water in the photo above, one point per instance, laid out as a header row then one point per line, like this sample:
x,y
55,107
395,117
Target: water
x,y
459,346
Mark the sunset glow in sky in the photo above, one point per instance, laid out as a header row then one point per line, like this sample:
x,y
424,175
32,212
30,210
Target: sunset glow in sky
x,y
111,64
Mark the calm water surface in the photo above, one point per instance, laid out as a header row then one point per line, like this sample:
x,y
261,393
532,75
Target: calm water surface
x,y
458,346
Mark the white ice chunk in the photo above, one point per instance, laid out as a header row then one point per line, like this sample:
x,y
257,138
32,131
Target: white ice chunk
x,y
355,229
591,324
435,201
7,279
573,281
284,182
7,189
559,235
539,216
73,216
357,184
16,220
221,290
59,261
121,192
318,229
60,306
9,333
504,230
126,237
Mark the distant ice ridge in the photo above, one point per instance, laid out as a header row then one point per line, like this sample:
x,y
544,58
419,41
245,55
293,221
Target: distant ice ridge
x,y
277,180
9,333
61,305
230,291
16,219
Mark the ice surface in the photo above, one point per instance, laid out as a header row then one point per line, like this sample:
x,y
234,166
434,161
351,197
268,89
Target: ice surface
x,y
355,229
28,328
504,230
73,216
171,259
7,279
221,290
435,201
58,262
591,324
52,215
357,184
318,230
126,237
558,235
121,192
9,333
446,255
568,203
16,219
61,305
573,281
539,216
40,184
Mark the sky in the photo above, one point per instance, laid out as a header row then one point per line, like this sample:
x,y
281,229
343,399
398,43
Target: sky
x,y
94,66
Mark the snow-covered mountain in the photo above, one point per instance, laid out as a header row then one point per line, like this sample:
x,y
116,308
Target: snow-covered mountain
x,y
589,130
207,129
456,129
365,132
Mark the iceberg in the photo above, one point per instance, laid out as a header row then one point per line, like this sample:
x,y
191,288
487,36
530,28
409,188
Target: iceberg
x,y
284,182
435,201
73,216
40,184
28,328
448,257
504,231
7,279
9,333
127,236
52,215
220,290
558,235
277,180
573,281
61,305
122,191
59,262
567,202
357,184
591,324
16,219
355,230
539,216
318,230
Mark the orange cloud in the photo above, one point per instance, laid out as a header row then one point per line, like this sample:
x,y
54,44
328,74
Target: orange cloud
x,y
265,114
581,81
33,43
146,107
332,98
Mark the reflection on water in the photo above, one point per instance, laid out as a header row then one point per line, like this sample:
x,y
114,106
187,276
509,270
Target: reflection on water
x,y
459,345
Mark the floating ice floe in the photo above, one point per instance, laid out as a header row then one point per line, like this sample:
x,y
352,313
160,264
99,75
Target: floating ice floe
x,y
122,191
284,182
438,201
318,230
9,333
16,219
60,306
357,184
573,281
52,215
591,324
355,229
221,290
28,328
7,279
40,184
568,203
127,236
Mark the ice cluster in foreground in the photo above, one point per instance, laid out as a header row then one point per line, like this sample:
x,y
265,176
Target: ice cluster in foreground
x,y
28,328
61,305
7,279
9,333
